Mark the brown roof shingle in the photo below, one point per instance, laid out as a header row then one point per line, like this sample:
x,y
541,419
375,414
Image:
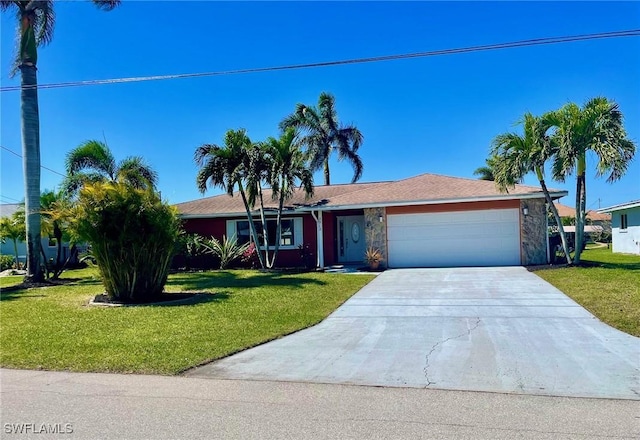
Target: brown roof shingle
x,y
419,189
568,211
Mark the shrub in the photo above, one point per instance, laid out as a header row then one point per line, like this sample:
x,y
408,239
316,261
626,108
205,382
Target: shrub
x,y
6,262
227,250
132,234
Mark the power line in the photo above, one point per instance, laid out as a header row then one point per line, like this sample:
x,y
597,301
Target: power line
x,y
41,166
9,198
522,43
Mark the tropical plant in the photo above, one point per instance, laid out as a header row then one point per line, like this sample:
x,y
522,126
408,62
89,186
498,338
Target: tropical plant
x,y
189,246
55,217
13,229
288,167
323,134
597,126
6,262
92,161
35,28
373,257
228,250
486,172
517,155
132,234
228,166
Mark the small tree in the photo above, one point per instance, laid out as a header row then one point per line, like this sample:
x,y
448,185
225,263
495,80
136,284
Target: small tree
x,y
14,230
132,234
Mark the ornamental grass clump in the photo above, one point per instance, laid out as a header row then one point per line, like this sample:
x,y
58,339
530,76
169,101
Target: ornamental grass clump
x,y
132,234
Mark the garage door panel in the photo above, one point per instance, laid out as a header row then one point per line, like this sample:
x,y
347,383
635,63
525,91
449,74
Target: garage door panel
x,y
474,238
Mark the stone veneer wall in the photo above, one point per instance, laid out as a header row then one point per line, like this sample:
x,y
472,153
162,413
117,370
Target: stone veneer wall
x,y
533,232
376,230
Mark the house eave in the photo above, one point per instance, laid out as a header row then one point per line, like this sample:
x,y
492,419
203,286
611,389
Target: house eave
x,y
554,195
620,207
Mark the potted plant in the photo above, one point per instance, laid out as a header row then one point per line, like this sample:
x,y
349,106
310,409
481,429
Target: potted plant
x,y
373,257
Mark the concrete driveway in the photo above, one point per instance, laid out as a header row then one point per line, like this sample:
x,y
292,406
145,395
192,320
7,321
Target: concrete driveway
x,y
477,329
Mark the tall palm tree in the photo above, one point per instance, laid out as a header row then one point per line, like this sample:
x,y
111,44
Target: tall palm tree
x,y
517,155
323,134
227,166
92,161
36,21
597,126
288,166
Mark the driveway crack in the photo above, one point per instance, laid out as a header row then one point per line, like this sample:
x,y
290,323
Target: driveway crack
x,y
440,343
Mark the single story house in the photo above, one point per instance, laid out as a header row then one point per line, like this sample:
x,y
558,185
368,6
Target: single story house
x,y
424,221
592,217
625,227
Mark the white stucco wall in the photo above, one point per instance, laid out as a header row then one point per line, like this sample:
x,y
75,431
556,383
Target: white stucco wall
x,y
626,241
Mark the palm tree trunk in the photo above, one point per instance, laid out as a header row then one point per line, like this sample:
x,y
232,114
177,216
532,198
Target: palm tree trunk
x,y
265,230
327,177
580,207
581,223
252,227
31,168
15,250
278,225
554,210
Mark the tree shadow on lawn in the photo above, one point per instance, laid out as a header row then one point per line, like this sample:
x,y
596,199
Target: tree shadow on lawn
x,y
183,299
624,266
225,279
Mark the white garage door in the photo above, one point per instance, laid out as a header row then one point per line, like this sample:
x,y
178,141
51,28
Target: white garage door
x,y
469,238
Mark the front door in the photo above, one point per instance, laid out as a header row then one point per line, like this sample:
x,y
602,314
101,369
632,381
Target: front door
x,y
351,239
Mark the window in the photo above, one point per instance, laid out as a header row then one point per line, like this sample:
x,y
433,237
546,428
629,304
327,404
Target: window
x,y
52,241
623,222
290,235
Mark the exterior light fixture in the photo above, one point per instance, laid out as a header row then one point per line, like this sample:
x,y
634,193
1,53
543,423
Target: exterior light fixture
x,y
525,211
380,219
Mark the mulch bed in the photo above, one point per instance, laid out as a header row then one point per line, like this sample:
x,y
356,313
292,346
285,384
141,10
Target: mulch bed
x,y
165,298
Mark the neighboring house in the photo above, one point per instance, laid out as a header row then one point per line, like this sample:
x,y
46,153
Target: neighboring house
x,y
49,245
424,221
625,227
594,218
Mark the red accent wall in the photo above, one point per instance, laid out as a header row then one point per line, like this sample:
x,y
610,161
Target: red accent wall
x,y
217,227
450,207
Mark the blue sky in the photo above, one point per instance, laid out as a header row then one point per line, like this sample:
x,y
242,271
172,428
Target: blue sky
x,y
436,114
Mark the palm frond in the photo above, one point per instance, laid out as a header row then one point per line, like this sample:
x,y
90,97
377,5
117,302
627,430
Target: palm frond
x,y
106,5
92,155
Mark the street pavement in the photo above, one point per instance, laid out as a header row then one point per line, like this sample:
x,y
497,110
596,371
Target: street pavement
x,y
500,329
114,406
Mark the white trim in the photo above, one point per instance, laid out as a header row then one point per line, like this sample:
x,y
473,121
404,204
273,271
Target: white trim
x,y
231,228
620,207
557,194
319,238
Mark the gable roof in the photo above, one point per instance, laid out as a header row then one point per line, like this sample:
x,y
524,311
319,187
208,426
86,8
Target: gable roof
x,y
422,189
621,206
568,211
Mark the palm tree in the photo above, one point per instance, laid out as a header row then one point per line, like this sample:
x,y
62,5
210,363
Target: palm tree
x,y
597,127
323,134
227,166
56,212
288,166
35,28
517,155
13,229
486,172
92,161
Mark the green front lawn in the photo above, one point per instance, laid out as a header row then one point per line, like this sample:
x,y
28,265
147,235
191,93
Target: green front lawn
x,y
11,280
608,285
54,328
